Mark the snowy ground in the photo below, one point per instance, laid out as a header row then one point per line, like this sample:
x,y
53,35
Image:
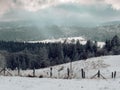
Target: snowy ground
x,y
106,64
21,83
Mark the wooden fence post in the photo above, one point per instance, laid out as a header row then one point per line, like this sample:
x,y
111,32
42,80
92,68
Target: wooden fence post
x,y
82,73
98,73
114,74
4,70
18,71
68,72
34,72
50,72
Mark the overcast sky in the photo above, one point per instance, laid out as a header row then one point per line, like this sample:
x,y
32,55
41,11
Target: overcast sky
x,y
61,12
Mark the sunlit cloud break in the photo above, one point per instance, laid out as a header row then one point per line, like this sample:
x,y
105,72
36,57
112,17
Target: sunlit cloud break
x,y
35,5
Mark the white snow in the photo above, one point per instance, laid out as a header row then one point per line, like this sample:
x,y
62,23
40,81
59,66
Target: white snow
x,y
68,40
106,64
61,40
22,83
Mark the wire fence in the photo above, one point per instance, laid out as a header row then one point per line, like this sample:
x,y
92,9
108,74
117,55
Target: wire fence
x,y
61,73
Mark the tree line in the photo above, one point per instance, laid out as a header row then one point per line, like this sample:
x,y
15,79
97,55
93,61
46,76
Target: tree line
x,y
40,55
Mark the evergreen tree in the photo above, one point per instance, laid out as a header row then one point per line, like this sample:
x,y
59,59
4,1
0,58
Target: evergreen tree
x,y
108,45
59,51
115,41
95,47
43,57
89,46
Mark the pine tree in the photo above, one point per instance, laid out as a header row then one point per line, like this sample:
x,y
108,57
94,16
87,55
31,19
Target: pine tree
x,y
60,54
43,57
108,45
89,45
115,41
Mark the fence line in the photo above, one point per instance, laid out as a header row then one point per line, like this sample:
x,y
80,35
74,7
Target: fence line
x,y
66,75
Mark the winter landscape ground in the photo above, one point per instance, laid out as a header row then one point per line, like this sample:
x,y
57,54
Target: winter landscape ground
x,y
59,44
20,83
106,64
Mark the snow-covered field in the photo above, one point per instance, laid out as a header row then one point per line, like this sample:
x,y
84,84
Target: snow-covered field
x,y
106,64
21,83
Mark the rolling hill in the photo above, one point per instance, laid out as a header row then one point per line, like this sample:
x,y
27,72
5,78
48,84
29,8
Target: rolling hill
x,y
26,31
106,64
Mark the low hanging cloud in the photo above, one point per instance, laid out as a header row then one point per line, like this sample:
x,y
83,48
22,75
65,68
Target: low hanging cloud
x,y
35,5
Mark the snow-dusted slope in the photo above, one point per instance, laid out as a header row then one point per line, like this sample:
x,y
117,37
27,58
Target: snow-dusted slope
x,y
106,64
62,40
67,40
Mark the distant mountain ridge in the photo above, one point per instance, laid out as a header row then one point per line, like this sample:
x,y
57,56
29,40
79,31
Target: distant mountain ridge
x,y
110,23
26,31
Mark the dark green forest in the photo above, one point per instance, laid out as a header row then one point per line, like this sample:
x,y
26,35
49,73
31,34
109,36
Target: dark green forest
x,y
40,55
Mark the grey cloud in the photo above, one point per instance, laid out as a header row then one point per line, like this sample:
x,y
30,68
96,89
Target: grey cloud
x,y
35,5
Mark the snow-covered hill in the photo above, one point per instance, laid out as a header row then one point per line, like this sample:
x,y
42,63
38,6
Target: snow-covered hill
x,y
62,40
29,31
67,40
106,64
